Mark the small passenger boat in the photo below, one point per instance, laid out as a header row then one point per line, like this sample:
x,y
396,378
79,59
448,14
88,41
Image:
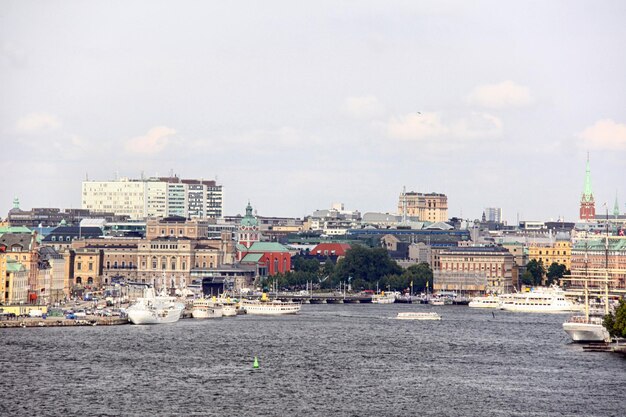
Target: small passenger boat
x,y
415,315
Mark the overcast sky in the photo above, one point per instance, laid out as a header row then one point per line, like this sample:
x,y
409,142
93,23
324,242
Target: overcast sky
x,y
295,105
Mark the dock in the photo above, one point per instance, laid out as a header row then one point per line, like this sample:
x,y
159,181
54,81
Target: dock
x,y
62,322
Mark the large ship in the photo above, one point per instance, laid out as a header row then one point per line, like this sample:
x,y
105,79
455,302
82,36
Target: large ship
x,y
153,309
540,300
267,307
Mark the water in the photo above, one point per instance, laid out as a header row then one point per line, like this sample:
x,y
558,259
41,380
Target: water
x,y
330,360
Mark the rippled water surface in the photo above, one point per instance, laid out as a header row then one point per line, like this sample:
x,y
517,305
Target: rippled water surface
x,y
344,360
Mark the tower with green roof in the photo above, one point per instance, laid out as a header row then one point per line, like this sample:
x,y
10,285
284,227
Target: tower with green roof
x,y
248,231
587,203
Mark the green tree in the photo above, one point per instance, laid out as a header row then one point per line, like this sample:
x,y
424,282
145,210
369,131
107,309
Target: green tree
x,y
368,264
615,323
300,263
555,272
419,274
537,270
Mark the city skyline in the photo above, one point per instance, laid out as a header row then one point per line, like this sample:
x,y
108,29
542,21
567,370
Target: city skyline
x,y
295,106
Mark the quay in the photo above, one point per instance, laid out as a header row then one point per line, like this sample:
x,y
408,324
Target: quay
x,y
62,322
324,298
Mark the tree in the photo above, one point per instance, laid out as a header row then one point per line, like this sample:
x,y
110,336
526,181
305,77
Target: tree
x,y
419,274
555,272
615,323
527,278
537,271
368,264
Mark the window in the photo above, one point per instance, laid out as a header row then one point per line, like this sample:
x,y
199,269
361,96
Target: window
x,y
79,266
90,280
79,280
90,266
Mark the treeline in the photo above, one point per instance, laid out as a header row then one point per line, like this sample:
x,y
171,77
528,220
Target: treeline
x,y
615,322
536,271
364,268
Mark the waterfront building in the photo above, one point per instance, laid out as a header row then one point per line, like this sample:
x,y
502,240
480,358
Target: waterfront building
x,y
52,275
594,255
559,251
61,237
16,282
587,203
429,207
155,197
3,273
475,269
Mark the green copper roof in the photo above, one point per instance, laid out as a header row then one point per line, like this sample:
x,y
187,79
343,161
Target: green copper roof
x,y
587,194
249,219
252,257
267,247
14,229
597,245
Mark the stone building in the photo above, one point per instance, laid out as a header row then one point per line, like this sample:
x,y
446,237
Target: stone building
x,y
429,207
475,270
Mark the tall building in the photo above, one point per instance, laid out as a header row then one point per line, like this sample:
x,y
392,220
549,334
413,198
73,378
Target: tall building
x,y
587,203
493,214
154,197
431,207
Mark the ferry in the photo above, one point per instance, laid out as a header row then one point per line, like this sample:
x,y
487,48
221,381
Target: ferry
x,y
385,297
540,300
265,306
486,301
204,308
153,309
415,315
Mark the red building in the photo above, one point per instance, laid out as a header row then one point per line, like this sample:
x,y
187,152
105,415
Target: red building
x,y
330,249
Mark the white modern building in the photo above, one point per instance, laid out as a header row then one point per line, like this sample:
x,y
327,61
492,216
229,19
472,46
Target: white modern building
x,y
154,197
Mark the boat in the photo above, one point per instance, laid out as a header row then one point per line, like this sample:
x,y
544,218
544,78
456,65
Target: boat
x,y
415,315
485,301
540,300
268,307
385,297
204,308
440,301
153,309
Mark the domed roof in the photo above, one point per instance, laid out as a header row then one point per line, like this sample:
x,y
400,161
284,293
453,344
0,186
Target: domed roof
x,y
249,220
16,206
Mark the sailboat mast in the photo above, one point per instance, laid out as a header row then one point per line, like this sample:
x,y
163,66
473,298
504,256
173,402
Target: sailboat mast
x,y
606,265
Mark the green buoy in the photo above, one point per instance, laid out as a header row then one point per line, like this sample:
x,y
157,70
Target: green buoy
x,y
256,363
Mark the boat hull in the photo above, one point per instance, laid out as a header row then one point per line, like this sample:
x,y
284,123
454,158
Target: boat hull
x,y
586,332
154,317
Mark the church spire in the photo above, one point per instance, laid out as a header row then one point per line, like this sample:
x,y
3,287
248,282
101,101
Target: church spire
x,y
587,193
587,203
616,207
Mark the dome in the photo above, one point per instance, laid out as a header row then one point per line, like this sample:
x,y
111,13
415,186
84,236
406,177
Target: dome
x,y
249,220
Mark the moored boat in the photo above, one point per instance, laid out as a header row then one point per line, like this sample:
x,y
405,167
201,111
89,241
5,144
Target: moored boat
x,y
153,309
204,308
267,307
485,301
541,300
385,297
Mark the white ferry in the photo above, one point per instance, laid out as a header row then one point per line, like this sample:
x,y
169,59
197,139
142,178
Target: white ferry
x,y
586,329
204,308
540,300
486,301
415,315
385,297
269,308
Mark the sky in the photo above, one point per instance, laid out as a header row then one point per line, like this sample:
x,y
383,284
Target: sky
x,y
297,105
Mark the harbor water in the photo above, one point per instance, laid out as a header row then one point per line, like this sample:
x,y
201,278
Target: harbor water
x,y
329,360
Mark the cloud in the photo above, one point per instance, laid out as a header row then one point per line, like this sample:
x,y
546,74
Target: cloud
x,y
502,95
604,134
152,142
427,126
36,123
365,107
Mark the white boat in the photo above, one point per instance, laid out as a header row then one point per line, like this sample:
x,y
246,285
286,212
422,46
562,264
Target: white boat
x,y
506,299
267,307
541,300
385,297
229,307
440,301
415,315
204,308
486,301
153,309
586,329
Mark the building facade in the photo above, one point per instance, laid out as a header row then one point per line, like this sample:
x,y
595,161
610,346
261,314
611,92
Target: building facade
x,y
430,207
559,252
155,197
475,270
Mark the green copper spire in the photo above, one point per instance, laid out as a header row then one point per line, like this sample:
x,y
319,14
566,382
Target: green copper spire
x,y
16,203
616,207
587,194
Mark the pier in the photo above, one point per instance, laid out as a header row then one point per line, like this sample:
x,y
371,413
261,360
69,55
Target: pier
x,y
330,298
62,322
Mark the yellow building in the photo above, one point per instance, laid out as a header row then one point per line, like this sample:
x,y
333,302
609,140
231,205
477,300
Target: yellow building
x,y
16,283
3,275
431,207
559,252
